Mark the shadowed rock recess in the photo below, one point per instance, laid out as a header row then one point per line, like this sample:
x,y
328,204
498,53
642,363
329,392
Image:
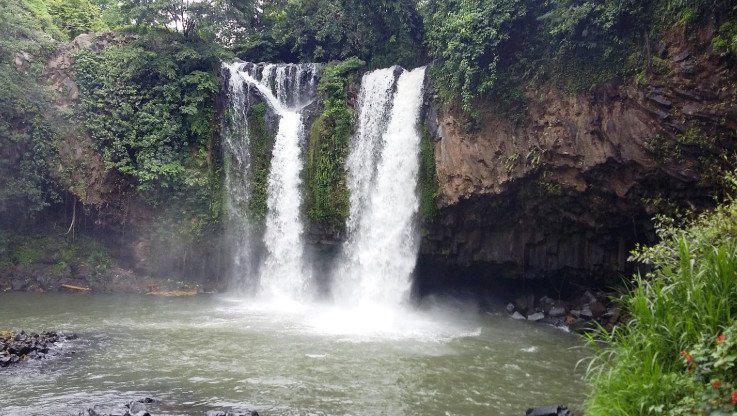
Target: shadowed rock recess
x,y
563,196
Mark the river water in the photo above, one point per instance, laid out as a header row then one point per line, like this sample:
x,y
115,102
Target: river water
x,y
208,352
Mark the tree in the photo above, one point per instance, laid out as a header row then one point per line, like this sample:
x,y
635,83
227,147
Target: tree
x,y
222,20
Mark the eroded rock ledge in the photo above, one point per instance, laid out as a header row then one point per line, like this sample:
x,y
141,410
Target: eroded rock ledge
x,y
566,193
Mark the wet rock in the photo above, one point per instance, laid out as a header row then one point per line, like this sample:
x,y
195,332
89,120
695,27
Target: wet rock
x,y
21,346
230,413
549,411
137,408
518,316
585,312
557,311
536,317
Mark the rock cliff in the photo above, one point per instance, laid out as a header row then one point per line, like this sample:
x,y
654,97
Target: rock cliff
x,y
566,193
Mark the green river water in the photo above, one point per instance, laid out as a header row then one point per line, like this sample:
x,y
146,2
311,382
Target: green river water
x,y
219,352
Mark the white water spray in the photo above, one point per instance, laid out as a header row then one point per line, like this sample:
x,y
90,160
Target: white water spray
x,y
380,255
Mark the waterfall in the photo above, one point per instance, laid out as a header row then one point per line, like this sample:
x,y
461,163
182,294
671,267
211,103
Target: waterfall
x,y
237,160
287,89
380,254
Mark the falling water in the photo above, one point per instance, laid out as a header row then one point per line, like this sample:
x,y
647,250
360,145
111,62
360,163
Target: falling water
x,y
379,257
287,89
238,178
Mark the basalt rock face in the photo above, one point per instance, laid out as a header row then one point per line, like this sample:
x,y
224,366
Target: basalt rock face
x,y
565,194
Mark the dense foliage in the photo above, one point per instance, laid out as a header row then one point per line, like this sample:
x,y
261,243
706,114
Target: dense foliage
x,y
327,201
27,120
381,32
490,49
677,353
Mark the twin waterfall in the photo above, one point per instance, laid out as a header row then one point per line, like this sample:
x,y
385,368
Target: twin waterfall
x,y
377,259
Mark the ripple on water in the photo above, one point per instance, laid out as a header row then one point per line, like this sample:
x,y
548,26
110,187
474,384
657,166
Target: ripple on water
x,y
305,359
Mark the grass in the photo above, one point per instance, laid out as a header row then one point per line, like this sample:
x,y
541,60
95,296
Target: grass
x,y
690,295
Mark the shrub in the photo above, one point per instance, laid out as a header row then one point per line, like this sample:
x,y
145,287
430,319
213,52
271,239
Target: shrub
x,y
690,296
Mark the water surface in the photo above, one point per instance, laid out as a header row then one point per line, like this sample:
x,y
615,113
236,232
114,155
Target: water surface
x,y
196,354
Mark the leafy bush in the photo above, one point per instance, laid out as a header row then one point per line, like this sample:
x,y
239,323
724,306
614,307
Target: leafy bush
x,y
725,41
381,32
149,107
690,296
467,37
712,364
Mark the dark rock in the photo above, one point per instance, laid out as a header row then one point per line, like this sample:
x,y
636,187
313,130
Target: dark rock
x,y
660,100
597,309
546,300
557,311
682,56
549,411
509,308
18,285
585,312
588,297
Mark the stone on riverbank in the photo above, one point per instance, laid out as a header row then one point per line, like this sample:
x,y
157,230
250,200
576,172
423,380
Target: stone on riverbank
x,y
22,346
549,411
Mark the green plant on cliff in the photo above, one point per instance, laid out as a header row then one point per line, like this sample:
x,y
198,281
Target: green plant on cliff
x,y
27,120
261,142
149,106
75,17
327,201
725,42
467,36
690,296
427,179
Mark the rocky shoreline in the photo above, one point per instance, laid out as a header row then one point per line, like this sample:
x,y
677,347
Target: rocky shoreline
x,y
114,281
19,347
148,407
578,314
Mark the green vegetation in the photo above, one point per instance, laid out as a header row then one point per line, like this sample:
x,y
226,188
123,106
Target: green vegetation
x,y
74,17
726,40
327,201
677,353
492,50
427,179
53,249
261,144
380,32
27,121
